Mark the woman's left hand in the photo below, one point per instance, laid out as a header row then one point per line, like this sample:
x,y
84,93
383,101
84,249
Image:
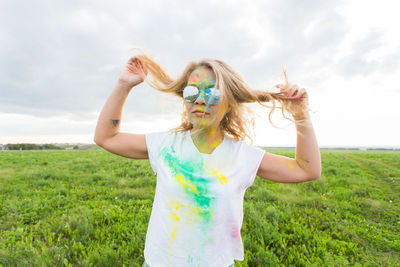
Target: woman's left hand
x,y
298,106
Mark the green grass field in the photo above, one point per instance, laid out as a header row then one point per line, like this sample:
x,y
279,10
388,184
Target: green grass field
x,y
91,208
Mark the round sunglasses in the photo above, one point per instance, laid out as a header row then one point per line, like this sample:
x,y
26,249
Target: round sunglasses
x,y
211,95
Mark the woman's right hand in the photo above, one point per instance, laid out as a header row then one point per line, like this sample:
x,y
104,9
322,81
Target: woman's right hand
x,y
133,73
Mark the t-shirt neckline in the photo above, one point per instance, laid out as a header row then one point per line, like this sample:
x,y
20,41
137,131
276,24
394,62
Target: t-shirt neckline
x,y
197,150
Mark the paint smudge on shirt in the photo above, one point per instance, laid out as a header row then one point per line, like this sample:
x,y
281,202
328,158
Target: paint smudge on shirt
x,y
193,176
219,175
190,174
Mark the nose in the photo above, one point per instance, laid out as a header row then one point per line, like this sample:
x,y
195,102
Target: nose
x,y
200,99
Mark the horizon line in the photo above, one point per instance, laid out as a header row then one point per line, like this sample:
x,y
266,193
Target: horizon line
x,y
287,147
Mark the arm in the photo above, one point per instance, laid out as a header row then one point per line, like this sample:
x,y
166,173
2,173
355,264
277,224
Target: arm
x,y
107,133
308,156
306,166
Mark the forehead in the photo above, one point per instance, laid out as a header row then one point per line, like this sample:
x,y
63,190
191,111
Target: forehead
x,y
202,75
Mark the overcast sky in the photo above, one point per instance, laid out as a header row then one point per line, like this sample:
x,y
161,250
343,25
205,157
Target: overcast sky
x,y
60,61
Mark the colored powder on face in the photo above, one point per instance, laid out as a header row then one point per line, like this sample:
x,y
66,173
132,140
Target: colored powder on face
x,y
201,79
202,94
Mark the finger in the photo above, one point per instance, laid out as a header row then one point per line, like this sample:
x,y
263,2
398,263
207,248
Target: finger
x,y
295,91
282,87
292,92
295,87
137,60
135,67
300,93
132,59
135,63
303,96
142,67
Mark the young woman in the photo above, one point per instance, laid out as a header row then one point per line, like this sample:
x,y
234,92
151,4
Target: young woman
x,y
203,166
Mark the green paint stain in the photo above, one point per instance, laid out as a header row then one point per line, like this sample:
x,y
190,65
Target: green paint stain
x,y
195,186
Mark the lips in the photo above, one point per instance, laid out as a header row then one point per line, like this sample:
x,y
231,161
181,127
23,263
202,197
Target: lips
x,y
200,112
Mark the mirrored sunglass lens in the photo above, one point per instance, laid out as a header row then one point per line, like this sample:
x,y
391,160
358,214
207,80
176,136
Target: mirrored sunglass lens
x,y
212,96
190,93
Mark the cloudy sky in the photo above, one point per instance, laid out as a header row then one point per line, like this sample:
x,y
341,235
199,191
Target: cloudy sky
x,y
60,60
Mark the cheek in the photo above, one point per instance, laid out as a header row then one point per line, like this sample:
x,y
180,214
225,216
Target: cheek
x,y
188,106
222,109
221,113
218,112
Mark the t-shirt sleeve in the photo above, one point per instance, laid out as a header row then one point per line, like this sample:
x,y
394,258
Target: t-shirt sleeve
x,y
252,156
153,142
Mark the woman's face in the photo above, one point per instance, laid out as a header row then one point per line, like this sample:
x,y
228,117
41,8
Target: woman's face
x,y
199,113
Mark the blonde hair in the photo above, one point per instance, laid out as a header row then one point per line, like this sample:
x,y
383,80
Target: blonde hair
x,y
236,123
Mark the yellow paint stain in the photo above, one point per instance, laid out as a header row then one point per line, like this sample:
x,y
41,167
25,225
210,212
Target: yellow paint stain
x,y
181,180
174,205
291,166
194,188
196,210
173,236
217,174
220,176
191,215
179,177
214,144
174,217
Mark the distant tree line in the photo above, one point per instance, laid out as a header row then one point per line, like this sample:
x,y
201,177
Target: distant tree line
x,y
27,146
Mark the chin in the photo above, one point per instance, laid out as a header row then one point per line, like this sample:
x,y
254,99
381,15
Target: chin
x,y
201,124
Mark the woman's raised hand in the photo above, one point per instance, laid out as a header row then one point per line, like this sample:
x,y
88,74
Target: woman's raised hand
x,y
298,106
133,72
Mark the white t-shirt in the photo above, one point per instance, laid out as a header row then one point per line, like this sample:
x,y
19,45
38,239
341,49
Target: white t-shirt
x,y
197,211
